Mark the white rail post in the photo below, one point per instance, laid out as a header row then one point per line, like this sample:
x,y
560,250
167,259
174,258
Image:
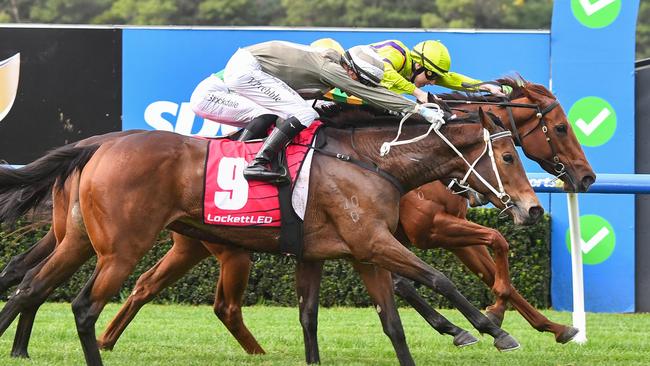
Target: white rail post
x,y
579,316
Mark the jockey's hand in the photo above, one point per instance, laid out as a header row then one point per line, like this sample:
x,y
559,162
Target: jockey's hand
x,y
432,98
420,95
433,116
492,89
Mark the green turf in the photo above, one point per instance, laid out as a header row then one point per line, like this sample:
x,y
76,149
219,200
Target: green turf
x,y
191,335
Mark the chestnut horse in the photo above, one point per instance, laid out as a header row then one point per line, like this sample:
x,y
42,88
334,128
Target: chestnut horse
x,y
159,175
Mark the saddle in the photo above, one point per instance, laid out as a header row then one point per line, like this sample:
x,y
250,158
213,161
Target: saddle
x,y
231,200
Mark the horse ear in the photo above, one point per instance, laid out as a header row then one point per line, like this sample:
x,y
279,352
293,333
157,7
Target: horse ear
x,y
486,121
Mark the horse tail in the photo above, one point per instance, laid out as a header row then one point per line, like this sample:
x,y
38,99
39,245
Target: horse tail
x,y
24,188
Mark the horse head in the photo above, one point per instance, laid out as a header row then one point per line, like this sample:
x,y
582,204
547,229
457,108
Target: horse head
x,y
546,136
478,155
493,169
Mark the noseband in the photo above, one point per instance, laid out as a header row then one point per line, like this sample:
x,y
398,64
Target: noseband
x,y
500,193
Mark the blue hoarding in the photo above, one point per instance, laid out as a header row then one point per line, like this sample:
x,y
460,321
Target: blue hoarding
x,y
162,66
592,62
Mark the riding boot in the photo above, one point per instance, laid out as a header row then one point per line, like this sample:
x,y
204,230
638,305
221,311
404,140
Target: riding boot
x,y
257,128
279,137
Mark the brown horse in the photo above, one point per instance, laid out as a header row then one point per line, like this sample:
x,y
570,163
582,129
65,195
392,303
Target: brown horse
x,y
167,165
431,217
445,208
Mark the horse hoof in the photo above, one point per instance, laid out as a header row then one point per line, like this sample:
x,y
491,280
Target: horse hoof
x,y
494,319
19,354
568,334
506,343
464,339
104,347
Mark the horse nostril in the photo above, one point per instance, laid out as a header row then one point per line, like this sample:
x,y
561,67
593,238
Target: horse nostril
x,y
586,182
536,212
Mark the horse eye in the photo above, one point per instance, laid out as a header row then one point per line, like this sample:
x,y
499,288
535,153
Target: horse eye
x,y
508,158
561,129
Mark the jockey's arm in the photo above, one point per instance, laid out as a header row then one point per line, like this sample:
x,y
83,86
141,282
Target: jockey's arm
x,y
395,82
456,81
333,74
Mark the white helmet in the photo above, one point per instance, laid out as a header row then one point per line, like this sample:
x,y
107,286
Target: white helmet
x,y
366,63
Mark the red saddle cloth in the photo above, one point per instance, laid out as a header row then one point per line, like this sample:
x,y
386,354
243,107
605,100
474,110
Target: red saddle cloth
x,y
229,199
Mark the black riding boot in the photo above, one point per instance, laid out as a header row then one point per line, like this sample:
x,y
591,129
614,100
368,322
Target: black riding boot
x,y
279,137
257,128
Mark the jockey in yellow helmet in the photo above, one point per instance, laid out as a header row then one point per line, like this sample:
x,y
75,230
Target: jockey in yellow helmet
x,y
428,63
328,43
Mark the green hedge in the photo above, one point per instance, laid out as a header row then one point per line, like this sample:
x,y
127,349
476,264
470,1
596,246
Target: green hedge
x,y
272,278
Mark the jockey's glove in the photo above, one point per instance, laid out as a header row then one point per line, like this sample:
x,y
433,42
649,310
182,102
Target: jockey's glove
x,y
433,116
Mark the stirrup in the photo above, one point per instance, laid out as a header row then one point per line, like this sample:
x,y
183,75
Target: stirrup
x,y
262,173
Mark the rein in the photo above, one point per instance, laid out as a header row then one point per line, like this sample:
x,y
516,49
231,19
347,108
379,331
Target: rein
x,y
558,166
487,138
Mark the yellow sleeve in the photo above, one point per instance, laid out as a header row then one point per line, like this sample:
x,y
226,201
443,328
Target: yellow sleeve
x,y
395,82
453,80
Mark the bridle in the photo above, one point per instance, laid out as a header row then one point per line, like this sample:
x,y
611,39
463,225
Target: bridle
x,y
488,138
558,166
499,191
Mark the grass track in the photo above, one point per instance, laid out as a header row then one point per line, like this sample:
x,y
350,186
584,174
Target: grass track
x,y
191,335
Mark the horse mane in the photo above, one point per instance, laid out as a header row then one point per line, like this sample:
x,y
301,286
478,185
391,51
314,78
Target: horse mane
x,y
517,83
341,115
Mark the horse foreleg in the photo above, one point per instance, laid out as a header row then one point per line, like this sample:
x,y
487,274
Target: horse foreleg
x,y
378,282
404,288
18,266
452,232
233,279
563,333
385,251
308,279
183,255
479,261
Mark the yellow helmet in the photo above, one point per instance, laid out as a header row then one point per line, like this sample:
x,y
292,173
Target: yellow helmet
x,y
328,43
433,56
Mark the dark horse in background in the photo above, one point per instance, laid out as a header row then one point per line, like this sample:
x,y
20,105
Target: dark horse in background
x,y
159,176
419,210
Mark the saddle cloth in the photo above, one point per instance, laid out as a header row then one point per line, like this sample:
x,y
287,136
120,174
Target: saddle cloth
x,y
230,200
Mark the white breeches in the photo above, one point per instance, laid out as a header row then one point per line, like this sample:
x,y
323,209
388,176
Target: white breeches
x,y
247,92
212,100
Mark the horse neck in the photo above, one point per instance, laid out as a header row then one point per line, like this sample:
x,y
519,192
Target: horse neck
x,y
420,162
